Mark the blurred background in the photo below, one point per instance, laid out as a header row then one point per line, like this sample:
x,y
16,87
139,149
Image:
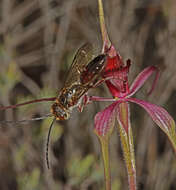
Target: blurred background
x,y
38,40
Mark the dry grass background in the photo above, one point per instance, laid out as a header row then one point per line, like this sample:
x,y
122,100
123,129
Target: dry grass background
x,y
37,42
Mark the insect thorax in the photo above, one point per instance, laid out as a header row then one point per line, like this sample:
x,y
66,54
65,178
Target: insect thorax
x,y
68,99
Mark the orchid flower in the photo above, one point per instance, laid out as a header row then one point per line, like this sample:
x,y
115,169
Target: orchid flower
x,y
120,109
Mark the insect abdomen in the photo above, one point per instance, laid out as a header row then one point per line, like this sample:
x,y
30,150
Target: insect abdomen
x,y
93,69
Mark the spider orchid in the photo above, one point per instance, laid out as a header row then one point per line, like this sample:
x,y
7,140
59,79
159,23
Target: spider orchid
x,y
119,110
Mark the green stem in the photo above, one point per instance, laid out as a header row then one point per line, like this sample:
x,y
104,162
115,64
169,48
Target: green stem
x,y
105,152
104,33
126,137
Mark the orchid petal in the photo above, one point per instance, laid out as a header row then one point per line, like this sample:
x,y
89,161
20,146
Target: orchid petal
x,y
161,117
142,77
104,125
113,89
123,117
105,120
116,75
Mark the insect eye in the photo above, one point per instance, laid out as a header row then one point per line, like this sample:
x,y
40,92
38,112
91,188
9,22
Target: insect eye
x,y
62,99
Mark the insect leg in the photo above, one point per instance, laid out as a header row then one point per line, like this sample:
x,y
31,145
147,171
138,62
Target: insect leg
x,y
89,99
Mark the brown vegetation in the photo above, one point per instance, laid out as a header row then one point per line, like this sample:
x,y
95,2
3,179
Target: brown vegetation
x,y
37,42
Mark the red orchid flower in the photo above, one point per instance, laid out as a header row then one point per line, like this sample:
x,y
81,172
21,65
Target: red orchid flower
x,y
122,93
119,110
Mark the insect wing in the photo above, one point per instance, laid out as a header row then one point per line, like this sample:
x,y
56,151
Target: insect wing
x,y
93,70
83,56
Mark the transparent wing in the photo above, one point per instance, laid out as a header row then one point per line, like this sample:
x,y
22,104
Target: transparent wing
x,y
83,56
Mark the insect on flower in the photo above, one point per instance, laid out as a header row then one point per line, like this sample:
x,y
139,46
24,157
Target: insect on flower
x,y
85,73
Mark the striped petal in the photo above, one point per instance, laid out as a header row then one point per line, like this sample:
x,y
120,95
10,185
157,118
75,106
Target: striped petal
x,y
161,117
105,120
142,77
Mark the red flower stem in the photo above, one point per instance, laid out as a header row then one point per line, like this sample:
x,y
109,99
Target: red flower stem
x,y
132,183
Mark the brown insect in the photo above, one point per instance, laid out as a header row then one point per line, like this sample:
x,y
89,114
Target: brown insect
x,y
85,73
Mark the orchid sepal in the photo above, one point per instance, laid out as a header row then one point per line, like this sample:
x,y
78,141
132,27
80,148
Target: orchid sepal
x,y
161,117
105,120
104,125
141,79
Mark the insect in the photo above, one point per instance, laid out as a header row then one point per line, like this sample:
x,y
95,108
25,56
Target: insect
x,y
85,73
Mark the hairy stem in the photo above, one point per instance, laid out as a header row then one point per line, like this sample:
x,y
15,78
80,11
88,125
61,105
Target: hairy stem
x,y
105,153
104,33
127,143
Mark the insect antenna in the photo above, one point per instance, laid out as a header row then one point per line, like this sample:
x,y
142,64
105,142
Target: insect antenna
x,y
47,143
26,120
28,102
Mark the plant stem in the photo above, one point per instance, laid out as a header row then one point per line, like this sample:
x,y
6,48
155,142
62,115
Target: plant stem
x,y
104,33
127,143
105,152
